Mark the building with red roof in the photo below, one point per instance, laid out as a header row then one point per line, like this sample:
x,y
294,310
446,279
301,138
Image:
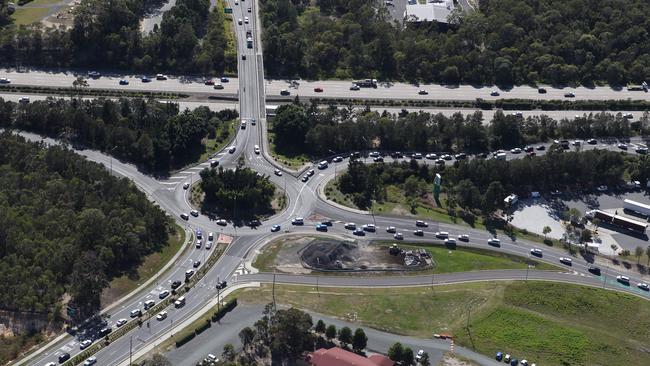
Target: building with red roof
x,y
339,357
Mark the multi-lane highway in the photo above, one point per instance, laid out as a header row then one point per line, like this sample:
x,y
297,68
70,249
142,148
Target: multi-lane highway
x,y
303,199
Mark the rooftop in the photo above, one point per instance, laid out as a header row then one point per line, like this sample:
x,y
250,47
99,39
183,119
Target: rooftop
x,y
436,10
339,357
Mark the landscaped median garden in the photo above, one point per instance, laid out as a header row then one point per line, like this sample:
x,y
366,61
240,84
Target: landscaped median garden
x,y
543,322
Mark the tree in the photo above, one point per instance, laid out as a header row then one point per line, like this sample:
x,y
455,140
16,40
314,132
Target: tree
x,y
320,326
546,231
228,352
290,333
614,248
359,340
330,333
345,336
638,252
396,352
407,356
247,335
424,360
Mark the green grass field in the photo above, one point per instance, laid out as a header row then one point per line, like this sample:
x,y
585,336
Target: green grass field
x,y
28,15
151,264
543,322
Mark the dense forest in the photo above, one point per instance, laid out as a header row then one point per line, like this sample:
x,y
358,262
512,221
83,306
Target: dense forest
x,y
153,135
301,128
239,193
67,227
506,42
106,34
480,184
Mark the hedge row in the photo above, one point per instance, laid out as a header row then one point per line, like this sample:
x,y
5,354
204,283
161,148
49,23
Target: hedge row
x,y
89,92
185,339
223,310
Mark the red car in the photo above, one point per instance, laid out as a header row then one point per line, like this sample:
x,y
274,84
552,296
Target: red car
x,y
209,82
318,90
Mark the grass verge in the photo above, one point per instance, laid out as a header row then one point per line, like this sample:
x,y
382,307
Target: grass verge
x,y
151,264
292,161
543,322
26,16
231,41
222,137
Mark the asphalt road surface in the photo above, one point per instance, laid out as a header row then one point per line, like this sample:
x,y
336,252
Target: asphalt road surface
x,y
303,199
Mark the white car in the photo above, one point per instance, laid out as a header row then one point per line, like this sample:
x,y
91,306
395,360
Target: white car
x,y
246,20
298,221
256,149
90,361
463,237
278,172
350,226
161,316
239,21
194,213
85,344
222,222
565,260
23,100
418,357
369,227
398,236
149,304
536,252
136,313
623,279
643,286
120,322
186,185
391,229
495,242
5,81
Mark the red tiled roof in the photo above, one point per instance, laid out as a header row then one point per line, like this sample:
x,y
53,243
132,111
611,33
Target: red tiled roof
x,y
340,357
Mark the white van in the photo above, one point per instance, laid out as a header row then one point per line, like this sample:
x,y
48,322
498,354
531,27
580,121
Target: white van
x,y
322,165
180,302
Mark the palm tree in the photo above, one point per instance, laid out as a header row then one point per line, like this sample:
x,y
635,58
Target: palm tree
x,y
546,230
614,248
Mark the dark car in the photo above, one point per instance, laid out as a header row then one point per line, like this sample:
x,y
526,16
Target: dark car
x,y
196,264
104,331
326,222
541,90
594,270
221,285
145,79
176,284
64,357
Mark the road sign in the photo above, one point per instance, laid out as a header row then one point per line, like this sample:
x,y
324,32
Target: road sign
x,y
227,10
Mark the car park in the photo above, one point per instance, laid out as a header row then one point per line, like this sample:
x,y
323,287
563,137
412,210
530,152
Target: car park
x,y
536,252
163,294
566,261
442,235
298,221
494,242
90,361
420,223
463,237
136,313
398,236
161,316
418,232
391,229
194,213
85,344
623,279
149,304
120,322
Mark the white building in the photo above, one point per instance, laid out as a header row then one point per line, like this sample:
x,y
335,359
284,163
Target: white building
x,y
432,11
